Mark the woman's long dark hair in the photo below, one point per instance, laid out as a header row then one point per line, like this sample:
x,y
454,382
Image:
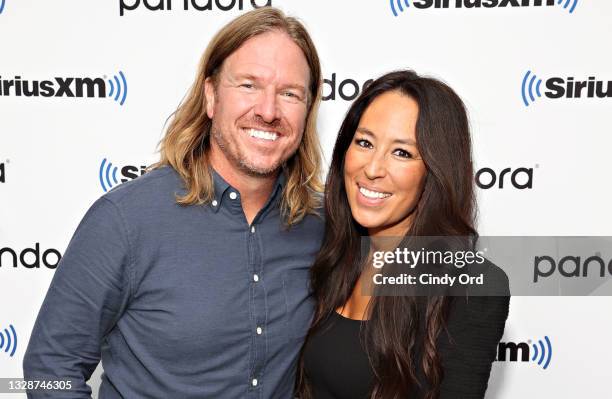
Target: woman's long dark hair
x,y
392,335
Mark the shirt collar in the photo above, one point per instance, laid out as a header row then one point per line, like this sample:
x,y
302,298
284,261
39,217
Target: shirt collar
x,y
221,186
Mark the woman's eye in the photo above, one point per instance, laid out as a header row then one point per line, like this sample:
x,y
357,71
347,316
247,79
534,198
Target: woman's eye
x,y
363,143
403,153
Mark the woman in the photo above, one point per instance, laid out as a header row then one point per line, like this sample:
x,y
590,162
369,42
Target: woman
x,y
401,167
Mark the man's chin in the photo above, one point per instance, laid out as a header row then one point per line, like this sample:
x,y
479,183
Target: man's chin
x,y
259,170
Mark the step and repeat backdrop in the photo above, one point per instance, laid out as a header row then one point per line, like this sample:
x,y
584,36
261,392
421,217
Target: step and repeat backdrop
x,y
86,88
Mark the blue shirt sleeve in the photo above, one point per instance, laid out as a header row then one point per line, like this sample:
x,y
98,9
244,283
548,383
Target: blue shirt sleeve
x,y
87,295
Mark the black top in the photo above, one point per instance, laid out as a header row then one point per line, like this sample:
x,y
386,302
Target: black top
x,y
335,362
337,367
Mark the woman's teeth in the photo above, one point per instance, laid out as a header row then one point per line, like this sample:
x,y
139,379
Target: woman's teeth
x,y
373,194
260,134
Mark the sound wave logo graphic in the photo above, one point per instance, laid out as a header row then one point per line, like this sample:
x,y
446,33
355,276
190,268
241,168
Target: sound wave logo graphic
x,y
542,353
106,169
399,6
118,88
10,339
574,3
529,89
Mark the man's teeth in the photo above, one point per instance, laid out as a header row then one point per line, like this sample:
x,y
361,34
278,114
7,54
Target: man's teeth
x,y
373,194
260,134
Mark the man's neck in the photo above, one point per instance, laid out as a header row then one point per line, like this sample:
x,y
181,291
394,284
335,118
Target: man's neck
x,y
254,190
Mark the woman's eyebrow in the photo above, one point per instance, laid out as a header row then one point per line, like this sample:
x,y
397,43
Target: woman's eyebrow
x,y
368,132
405,141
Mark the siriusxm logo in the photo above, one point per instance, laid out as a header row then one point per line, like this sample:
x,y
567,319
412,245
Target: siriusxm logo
x,y
8,340
513,351
520,178
198,5
2,2
347,89
103,87
558,87
107,174
398,6
31,258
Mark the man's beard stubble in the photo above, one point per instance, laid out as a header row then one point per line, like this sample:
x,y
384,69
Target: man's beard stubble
x,y
239,159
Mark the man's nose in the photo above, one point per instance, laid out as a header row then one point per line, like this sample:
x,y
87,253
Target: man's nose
x,y
267,107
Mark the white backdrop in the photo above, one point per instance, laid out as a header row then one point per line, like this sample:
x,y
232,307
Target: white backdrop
x,y
52,148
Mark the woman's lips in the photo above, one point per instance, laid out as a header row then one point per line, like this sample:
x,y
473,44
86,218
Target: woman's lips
x,y
370,196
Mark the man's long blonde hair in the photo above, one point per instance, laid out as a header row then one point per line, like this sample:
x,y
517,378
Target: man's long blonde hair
x,y
185,147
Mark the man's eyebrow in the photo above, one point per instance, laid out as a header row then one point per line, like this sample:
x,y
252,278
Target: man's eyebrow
x,y
246,75
294,86
250,76
368,132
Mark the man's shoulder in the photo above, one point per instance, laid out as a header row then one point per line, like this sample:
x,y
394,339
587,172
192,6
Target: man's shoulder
x,y
157,187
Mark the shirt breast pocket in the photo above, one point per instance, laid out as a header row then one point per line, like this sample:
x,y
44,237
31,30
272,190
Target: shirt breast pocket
x,y
299,302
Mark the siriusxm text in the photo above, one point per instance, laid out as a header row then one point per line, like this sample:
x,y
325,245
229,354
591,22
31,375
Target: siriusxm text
x,y
58,87
480,3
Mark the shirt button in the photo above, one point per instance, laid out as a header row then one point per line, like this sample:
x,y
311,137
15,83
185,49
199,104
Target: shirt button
x,y
215,203
259,330
255,277
252,229
233,195
254,382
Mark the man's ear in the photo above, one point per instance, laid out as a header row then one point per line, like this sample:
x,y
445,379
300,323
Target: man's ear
x,y
209,93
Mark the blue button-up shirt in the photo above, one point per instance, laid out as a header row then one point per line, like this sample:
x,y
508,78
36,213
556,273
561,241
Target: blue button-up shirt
x,y
177,301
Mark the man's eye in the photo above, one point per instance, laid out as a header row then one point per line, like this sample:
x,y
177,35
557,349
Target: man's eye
x,y
403,153
247,85
363,143
293,96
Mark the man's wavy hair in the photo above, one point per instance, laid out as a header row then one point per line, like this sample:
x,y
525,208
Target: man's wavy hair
x,y
186,144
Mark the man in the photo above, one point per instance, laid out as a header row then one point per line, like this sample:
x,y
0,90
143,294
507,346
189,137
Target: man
x,y
192,281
